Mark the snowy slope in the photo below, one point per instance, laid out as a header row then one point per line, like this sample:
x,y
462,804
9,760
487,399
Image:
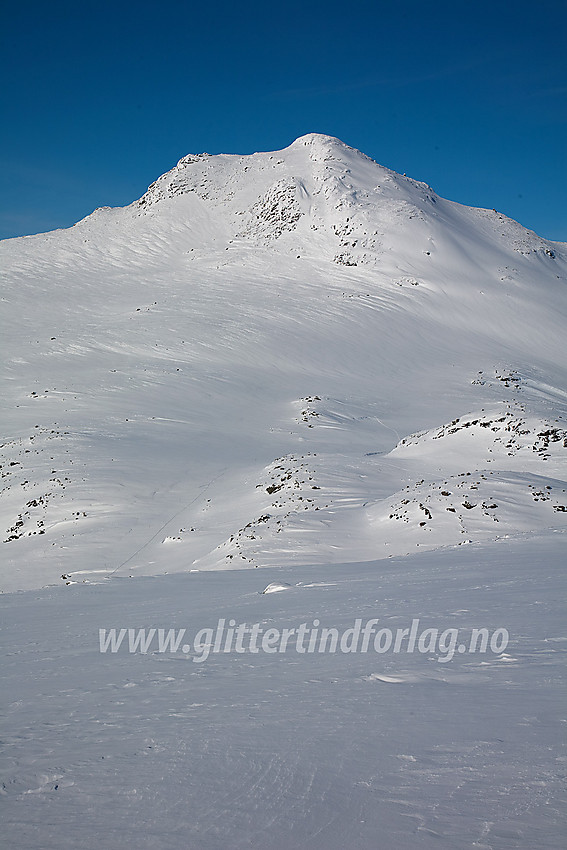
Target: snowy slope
x,y
290,315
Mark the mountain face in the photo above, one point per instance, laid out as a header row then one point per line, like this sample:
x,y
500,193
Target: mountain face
x,y
298,357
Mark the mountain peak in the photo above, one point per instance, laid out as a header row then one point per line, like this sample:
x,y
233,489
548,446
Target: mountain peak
x,y
318,139
321,199
322,146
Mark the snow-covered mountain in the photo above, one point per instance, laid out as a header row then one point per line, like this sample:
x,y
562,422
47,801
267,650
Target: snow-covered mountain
x,y
304,362
231,371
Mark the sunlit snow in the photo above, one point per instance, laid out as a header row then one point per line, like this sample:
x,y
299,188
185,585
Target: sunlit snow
x,y
304,363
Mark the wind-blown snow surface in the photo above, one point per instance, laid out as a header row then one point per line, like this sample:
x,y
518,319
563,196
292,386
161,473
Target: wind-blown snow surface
x,y
282,751
286,359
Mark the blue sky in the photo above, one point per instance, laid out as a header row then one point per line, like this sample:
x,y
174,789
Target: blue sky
x,y
100,98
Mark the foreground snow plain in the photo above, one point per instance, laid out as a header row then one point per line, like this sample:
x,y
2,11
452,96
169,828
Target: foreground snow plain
x,y
291,750
301,362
